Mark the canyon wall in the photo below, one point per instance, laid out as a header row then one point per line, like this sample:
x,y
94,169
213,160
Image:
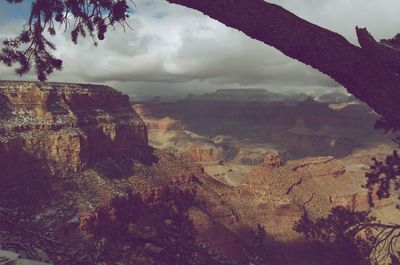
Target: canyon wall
x,y
296,129
70,154
70,124
79,155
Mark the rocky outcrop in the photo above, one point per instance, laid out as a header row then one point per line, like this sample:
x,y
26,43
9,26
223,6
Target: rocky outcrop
x,y
272,160
164,124
280,193
70,124
76,173
357,201
205,154
247,155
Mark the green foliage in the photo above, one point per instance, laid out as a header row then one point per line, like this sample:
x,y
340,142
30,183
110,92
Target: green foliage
x,y
343,228
135,230
345,233
384,174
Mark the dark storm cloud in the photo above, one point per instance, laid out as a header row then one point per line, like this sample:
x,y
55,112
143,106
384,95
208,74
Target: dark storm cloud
x,y
174,47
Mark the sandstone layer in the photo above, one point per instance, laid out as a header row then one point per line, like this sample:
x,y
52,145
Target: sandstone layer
x,y
71,125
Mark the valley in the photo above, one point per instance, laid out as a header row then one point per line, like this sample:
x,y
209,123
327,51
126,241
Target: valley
x,y
86,176
230,132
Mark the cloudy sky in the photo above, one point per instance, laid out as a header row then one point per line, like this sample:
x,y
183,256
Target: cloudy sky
x,y
174,50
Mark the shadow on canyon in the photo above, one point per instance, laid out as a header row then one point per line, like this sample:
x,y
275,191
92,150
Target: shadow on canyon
x,y
25,190
5,108
29,184
121,166
295,130
23,179
265,249
32,199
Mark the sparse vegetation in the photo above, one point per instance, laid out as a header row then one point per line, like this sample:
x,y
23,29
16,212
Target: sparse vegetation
x,y
352,237
376,242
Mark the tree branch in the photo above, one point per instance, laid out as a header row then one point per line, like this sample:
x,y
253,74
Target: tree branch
x,y
367,77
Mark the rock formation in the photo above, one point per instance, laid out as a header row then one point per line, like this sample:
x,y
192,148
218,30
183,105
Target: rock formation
x,y
165,124
75,164
79,184
272,160
296,129
204,154
71,125
276,195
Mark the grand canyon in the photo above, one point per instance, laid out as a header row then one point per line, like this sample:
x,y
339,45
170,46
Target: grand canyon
x,y
90,176
199,132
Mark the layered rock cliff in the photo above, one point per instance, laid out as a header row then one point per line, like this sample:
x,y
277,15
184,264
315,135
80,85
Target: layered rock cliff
x,y
277,194
76,173
80,185
69,124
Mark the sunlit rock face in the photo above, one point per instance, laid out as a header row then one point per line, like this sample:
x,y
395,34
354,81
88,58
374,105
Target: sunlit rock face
x,y
272,160
70,124
165,124
204,153
277,194
73,157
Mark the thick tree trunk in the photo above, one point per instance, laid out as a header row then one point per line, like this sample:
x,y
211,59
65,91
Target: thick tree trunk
x,y
364,74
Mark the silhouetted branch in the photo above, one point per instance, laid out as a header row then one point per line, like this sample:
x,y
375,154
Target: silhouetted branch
x,y
374,240
84,17
372,81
